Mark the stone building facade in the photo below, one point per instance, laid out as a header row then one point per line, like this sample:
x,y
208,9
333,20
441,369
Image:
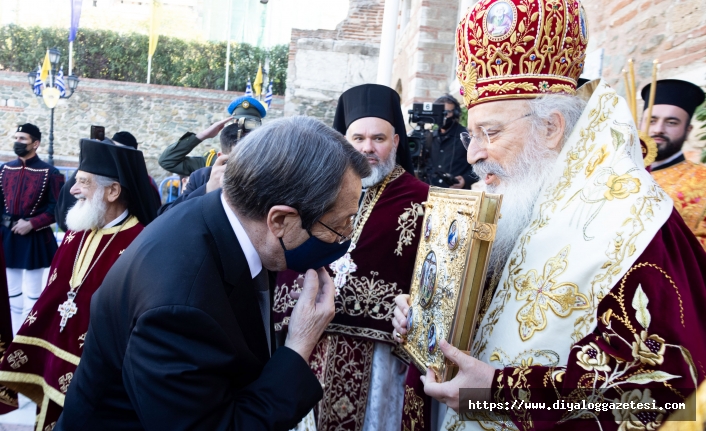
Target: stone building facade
x,y
157,115
325,63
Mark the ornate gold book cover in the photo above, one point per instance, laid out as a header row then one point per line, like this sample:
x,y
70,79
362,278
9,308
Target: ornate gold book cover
x,y
449,274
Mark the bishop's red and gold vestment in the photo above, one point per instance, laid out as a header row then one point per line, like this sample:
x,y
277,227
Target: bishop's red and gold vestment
x,y
377,269
42,358
685,183
601,299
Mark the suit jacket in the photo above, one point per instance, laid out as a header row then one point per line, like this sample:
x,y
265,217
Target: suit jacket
x,y
194,188
176,340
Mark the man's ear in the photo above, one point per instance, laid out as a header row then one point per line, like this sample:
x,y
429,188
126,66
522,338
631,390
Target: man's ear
x,y
555,127
282,218
396,141
689,128
112,192
35,144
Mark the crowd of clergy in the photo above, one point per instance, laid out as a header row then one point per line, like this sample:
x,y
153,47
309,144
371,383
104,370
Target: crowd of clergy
x,y
273,293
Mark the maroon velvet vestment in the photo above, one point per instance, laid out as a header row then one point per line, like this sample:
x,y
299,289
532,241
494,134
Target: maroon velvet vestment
x,y
384,258
8,398
41,360
672,273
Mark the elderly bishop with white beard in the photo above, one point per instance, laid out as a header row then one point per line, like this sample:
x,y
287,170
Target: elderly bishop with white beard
x,y
111,188
596,287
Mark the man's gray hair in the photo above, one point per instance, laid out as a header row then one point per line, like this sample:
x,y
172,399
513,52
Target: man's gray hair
x,y
541,108
296,161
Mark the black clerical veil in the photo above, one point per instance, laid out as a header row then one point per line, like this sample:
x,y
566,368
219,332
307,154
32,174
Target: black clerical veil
x,y
372,100
127,166
676,92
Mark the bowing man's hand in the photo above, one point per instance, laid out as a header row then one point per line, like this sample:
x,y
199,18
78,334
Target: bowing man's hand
x,y
312,313
472,374
214,183
399,322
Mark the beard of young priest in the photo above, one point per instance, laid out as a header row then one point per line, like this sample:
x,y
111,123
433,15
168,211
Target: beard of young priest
x,y
594,278
42,358
367,393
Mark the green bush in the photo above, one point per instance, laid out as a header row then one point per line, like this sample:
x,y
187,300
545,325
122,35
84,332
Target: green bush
x,y
105,54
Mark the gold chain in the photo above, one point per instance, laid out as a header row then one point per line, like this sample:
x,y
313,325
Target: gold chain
x,y
364,218
80,246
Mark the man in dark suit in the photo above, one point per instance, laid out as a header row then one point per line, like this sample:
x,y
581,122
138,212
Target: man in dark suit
x,y
180,335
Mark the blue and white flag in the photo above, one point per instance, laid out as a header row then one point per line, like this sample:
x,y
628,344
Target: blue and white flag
x,y
38,84
248,89
268,95
60,84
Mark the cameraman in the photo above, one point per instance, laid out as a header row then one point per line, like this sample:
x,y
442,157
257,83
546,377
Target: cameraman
x,y
448,167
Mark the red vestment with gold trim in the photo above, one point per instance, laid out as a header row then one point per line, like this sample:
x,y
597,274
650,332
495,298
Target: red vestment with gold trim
x,y
41,360
383,261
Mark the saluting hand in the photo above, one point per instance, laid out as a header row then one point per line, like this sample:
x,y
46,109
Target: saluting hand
x,y
213,129
312,313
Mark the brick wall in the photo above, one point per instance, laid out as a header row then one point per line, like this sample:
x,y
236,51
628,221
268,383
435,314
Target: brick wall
x,y
325,63
673,31
425,57
156,114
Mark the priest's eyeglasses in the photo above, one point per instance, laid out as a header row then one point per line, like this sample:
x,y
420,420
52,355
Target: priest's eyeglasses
x,y
342,238
467,138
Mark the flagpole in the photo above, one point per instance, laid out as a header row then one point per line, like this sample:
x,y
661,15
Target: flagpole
x,y
149,68
228,31
71,56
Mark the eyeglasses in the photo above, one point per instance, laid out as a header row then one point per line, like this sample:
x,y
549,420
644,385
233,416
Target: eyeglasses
x,y
467,138
342,238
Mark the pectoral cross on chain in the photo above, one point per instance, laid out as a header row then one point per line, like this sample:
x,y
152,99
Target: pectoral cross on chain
x,y
67,310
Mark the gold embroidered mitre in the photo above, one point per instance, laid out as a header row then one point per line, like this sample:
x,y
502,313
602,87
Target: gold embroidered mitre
x,y
511,49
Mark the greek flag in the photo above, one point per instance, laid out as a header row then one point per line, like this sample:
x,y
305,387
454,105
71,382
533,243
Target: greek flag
x,y
38,84
60,84
268,96
248,89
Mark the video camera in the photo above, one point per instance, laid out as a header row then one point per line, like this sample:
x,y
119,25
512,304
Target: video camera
x,y
426,115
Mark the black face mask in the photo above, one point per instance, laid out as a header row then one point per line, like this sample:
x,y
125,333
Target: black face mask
x,y
448,123
20,149
313,254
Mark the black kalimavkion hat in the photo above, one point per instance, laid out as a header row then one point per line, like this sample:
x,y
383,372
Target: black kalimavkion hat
x,y
676,92
373,100
125,165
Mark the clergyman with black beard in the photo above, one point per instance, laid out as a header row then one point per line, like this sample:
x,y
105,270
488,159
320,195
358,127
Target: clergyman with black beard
x,y
670,125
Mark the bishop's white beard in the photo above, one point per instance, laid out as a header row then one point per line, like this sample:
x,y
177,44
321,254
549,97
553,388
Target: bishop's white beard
x,y
520,185
87,214
381,169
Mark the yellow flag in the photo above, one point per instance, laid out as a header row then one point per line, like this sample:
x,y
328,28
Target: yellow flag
x,y
154,27
46,67
257,85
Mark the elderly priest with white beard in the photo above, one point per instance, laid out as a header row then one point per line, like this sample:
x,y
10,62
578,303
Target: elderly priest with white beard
x,y
112,188
596,287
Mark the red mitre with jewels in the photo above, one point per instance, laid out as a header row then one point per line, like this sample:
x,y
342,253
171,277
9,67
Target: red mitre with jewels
x,y
520,49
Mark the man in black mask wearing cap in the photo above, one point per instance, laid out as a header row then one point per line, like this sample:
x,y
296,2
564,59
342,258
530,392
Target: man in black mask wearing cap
x,y
448,167
670,125
367,393
29,188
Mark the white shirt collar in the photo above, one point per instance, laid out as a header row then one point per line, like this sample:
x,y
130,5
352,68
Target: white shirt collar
x,y
251,255
665,161
120,218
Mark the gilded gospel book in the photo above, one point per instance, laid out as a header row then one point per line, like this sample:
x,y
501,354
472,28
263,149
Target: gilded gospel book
x,y
449,274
